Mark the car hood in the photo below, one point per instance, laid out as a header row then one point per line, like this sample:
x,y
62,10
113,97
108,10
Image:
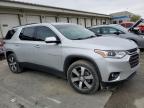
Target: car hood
x,y
136,24
105,43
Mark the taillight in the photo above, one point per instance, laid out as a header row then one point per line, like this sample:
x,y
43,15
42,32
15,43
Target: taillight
x,y
2,43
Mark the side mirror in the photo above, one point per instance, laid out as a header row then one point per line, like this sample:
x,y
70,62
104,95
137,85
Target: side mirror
x,y
52,40
117,33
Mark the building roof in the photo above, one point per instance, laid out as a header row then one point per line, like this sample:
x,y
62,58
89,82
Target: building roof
x,y
32,6
122,13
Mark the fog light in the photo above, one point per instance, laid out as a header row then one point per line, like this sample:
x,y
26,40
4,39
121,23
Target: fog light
x,y
114,76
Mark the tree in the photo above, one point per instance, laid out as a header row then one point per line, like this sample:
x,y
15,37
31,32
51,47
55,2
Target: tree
x,y
135,18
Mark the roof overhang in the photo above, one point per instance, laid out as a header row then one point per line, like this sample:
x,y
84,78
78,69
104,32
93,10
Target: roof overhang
x,y
23,5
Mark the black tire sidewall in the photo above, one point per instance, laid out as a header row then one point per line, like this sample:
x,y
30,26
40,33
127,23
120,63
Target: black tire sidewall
x,y
91,68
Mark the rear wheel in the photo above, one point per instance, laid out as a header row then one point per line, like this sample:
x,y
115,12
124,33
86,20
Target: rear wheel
x,y
83,77
13,64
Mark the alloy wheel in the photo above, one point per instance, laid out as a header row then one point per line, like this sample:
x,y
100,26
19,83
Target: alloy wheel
x,y
82,78
12,63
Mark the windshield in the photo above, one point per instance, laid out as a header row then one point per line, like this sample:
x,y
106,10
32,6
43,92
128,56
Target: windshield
x,y
74,32
121,28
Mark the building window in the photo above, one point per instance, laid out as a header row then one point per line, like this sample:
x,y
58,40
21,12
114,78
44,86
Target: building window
x,y
114,22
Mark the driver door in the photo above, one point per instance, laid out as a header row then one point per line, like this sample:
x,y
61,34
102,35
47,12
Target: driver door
x,y
47,54
112,32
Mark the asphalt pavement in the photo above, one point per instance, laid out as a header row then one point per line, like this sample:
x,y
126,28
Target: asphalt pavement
x,y
34,89
131,93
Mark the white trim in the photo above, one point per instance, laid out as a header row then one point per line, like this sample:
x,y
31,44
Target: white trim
x,y
21,5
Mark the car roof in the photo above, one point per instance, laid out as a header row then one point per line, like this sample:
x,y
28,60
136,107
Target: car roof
x,y
63,23
31,24
40,24
110,25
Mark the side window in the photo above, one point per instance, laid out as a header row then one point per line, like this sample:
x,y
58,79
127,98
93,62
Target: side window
x,y
112,30
27,33
105,30
10,34
42,32
95,30
109,30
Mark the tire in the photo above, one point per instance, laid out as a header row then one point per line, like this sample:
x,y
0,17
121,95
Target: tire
x,y
83,77
13,64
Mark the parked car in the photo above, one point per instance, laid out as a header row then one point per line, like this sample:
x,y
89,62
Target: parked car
x,y
85,60
1,48
138,27
141,28
118,31
127,24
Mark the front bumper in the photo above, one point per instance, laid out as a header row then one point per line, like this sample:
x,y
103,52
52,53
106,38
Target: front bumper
x,y
109,65
111,84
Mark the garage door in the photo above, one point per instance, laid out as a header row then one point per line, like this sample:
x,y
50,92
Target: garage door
x,y
7,21
73,20
107,21
62,19
98,22
103,21
93,22
50,19
33,19
81,22
88,22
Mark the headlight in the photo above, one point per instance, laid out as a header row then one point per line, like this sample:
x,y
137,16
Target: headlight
x,y
111,54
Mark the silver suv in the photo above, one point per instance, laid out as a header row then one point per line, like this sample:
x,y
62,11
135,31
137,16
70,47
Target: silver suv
x,y
88,62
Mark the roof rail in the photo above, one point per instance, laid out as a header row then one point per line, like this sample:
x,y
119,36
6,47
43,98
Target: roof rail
x,y
24,25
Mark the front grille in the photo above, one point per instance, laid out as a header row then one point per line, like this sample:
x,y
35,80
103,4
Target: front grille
x,y
131,51
134,60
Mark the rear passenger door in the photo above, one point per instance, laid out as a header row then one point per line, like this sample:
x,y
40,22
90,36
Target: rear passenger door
x,y
47,54
26,46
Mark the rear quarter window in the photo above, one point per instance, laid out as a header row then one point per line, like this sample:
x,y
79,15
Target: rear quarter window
x,y
95,30
10,34
27,34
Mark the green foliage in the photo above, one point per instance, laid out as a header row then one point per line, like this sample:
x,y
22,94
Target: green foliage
x,y
135,18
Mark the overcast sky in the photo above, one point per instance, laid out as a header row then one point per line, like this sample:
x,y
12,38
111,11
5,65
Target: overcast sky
x,y
99,6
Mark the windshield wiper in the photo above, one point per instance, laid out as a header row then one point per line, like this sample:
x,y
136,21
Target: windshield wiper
x,y
92,36
78,39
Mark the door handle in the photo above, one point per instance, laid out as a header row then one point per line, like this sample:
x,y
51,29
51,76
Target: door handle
x,y
37,46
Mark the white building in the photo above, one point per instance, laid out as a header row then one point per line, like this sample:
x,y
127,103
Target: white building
x,y
120,17
13,13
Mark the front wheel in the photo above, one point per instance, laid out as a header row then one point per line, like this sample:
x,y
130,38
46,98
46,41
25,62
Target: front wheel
x,y
83,77
13,64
